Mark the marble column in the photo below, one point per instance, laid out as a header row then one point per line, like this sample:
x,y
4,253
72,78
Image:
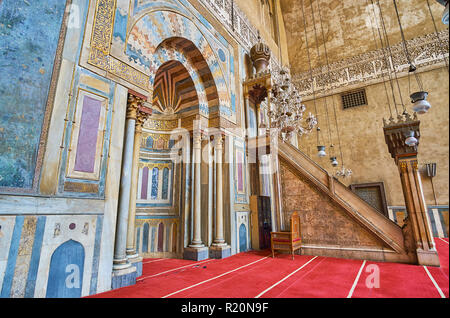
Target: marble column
x,y
131,252
196,250
197,149
219,238
123,273
219,248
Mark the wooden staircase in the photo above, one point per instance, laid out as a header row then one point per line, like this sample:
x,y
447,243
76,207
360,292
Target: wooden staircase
x,y
373,221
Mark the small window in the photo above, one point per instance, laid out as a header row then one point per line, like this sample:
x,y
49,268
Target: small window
x,y
354,99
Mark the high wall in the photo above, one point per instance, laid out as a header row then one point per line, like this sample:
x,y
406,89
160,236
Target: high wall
x,y
348,27
69,67
350,36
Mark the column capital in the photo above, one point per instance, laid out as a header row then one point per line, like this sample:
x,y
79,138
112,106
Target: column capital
x,y
133,105
141,117
218,140
197,137
403,166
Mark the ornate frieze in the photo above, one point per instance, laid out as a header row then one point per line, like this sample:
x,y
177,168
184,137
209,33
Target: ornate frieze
x,y
373,66
151,165
99,54
102,31
161,125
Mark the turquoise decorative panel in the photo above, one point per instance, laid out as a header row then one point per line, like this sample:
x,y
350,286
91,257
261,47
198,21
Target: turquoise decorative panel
x,y
165,185
242,238
29,34
155,175
145,238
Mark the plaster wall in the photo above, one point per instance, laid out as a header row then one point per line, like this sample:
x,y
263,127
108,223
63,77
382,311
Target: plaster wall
x,y
349,26
363,146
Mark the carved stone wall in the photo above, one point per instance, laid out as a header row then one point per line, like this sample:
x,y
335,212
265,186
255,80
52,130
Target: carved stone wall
x,y
322,222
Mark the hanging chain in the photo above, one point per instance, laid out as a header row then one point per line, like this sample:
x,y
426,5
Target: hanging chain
x,y
310,71
388,45
384,55
437,36
318,55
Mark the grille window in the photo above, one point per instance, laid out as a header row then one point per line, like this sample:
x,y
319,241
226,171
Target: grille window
x,y
354,99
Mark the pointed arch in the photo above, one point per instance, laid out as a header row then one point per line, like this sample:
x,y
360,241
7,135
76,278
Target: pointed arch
x,y
65,278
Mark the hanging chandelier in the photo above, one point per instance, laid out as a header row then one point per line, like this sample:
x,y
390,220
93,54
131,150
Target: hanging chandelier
x,y
344,172
287,110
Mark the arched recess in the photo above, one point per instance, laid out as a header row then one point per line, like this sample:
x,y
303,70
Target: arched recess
x,y
161,36
174,91
242,238
65,276
188,55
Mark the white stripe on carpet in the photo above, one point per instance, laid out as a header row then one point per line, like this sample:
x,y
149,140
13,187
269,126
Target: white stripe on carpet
x,y
350,294
174,269
279,282
156,260
434,283
208,280
443,240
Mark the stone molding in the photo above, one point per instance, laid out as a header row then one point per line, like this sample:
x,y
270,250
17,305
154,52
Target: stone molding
x,y
427,51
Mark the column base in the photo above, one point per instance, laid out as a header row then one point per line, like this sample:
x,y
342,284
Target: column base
x,y
428,258
136,261
120,264
196,253
123,277
219,251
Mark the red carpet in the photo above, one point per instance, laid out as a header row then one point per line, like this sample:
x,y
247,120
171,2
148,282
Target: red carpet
x,y
255,278
256,274
323,277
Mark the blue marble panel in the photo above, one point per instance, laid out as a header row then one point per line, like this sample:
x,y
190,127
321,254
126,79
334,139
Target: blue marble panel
x,y
35,257
29,34
66,271
138,239
145,238
155,176
165,185
242,238
152,245
149,142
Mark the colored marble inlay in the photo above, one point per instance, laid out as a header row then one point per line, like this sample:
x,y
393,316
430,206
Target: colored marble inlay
x,y
145,238
144,187
240,172
165,185
87,139
155,175
66,271
161,237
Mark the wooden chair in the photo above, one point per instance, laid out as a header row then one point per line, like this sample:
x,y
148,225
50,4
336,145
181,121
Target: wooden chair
x,y
290,241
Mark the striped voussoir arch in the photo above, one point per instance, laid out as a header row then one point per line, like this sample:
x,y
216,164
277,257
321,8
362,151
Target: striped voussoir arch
x,y
185,80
